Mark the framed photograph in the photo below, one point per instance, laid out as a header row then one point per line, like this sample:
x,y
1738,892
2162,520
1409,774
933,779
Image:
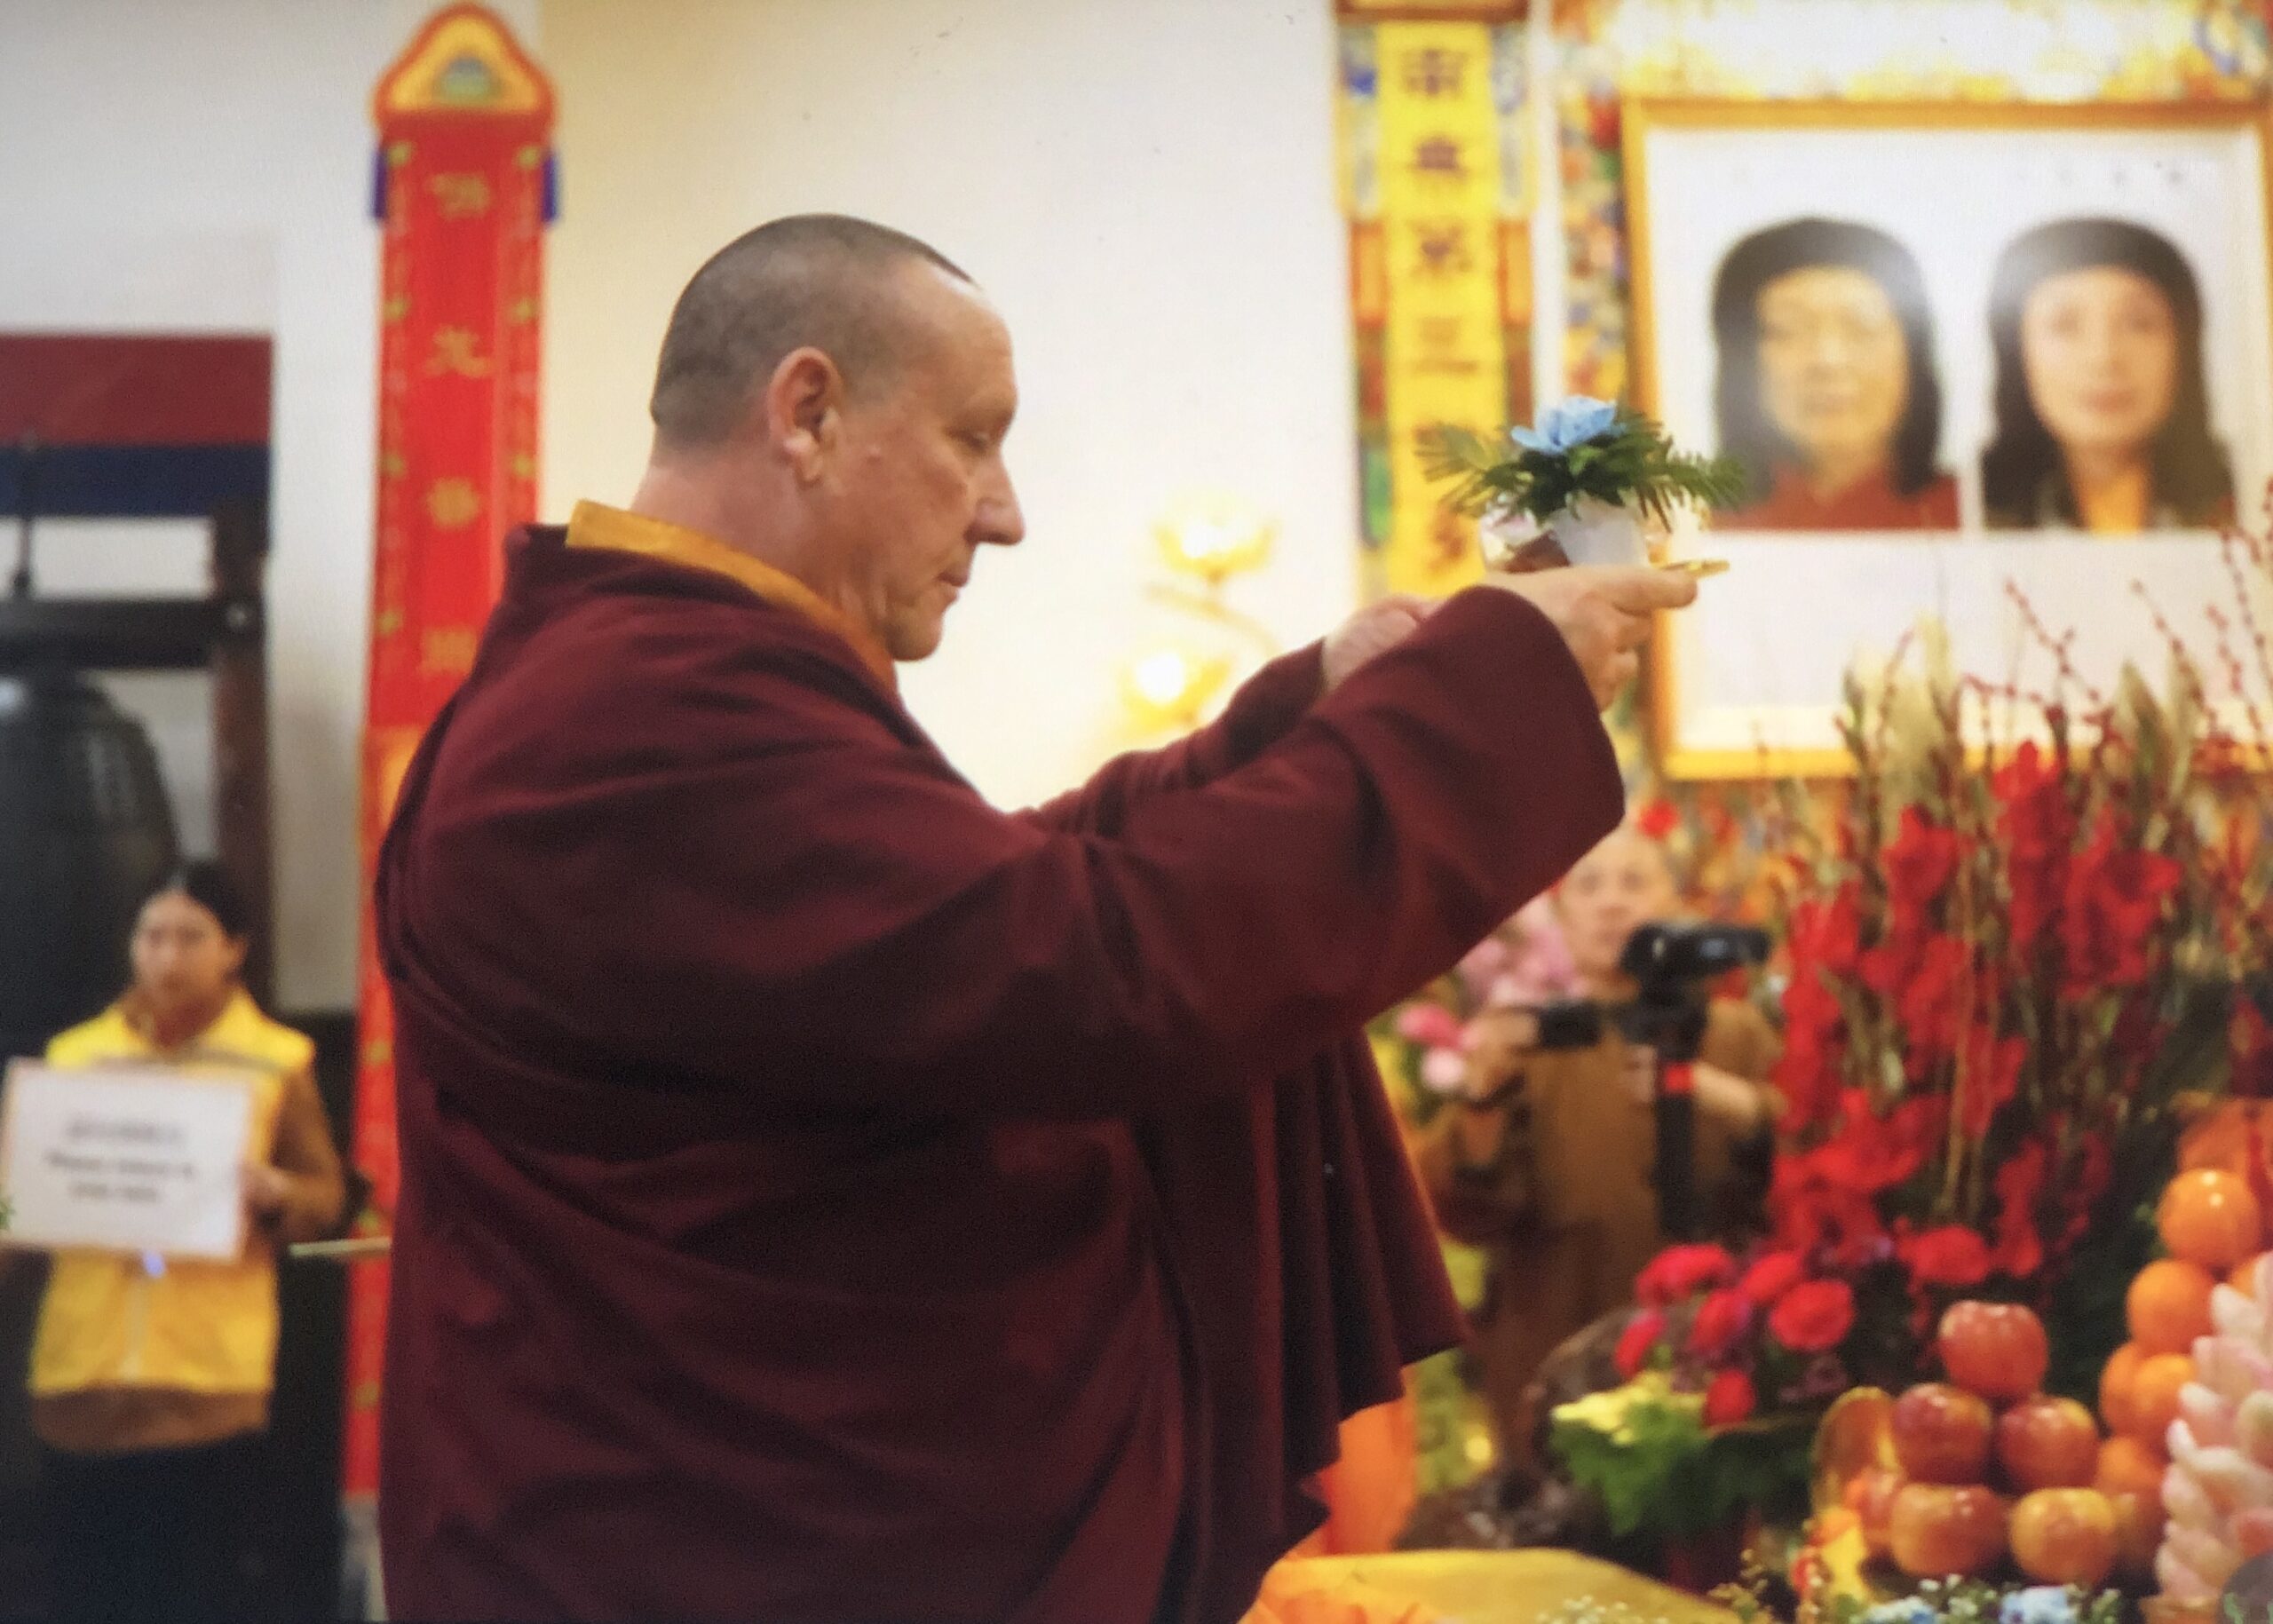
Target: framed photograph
x,y
1971,356
126,1159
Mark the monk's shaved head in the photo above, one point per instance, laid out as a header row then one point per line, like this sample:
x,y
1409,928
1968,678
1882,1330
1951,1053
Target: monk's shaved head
x,y
826,282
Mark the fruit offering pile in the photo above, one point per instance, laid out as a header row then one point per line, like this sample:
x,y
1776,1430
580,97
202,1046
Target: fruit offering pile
x,y
1983,1467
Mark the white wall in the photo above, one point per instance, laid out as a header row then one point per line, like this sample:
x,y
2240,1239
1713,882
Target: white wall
x,y
185,164
1147,189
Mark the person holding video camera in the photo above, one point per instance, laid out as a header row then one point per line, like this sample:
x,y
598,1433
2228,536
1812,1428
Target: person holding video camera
x,y
1565,1157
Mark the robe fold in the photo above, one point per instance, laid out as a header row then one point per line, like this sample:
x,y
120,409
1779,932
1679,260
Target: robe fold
x,y
827,1197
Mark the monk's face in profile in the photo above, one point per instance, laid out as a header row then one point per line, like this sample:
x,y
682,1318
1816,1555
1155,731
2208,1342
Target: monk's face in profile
x,y
1623,883
917,483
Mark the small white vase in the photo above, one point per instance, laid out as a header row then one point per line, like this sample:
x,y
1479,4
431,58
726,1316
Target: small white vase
x,y
1601,534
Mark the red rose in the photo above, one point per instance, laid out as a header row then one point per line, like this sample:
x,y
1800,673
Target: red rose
x,y
1720,1320
1814,1317
1657,819
1637,1341
1730,1398
1949,1255
1678,1273
1771,1277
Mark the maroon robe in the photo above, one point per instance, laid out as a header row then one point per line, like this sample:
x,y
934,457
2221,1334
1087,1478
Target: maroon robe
x,y
827,1197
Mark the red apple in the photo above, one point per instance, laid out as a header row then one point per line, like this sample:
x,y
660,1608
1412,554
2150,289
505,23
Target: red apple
x,y
1941,1434
1940,1529
1996,1349
2046,1442
1870,1494
2065,1536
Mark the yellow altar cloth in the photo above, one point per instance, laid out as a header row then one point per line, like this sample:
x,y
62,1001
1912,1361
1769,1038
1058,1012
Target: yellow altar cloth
x,y
1464,1587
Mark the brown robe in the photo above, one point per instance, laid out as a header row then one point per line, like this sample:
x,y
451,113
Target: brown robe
x,y
827,1197
1555,1181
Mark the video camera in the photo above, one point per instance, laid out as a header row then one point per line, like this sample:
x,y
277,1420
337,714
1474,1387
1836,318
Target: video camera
x,y
1672,967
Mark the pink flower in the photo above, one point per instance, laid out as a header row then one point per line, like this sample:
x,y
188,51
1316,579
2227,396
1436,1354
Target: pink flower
x,y
1429,1024
1443,1071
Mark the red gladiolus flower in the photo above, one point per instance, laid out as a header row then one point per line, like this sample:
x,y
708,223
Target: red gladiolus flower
x,y
1918,865
2019,1184
1771,1277
1729,1399
2037,831
2114,900
1920,974
1721,1319
1828,935
1814,1317
1635,1342
1812,1208
1992,1076
1680,1272
1949,1255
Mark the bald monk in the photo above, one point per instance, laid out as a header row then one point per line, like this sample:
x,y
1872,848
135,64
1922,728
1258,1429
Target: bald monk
x,y
827,1197
1547,1162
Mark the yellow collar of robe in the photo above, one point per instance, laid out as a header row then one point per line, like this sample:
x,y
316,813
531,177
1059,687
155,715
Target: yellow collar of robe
x,y
595,524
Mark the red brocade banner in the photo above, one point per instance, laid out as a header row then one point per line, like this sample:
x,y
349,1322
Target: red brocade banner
x,y
463,191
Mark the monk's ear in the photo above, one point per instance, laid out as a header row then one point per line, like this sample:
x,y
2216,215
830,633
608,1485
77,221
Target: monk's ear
x,y
803,410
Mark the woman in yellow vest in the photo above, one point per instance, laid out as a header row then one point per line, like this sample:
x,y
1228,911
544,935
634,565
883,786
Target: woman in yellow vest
x,y
150,1377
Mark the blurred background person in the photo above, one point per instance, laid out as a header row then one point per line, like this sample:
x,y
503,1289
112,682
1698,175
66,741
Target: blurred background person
x,y
150,1377
1546,1163
1825,389
2103,413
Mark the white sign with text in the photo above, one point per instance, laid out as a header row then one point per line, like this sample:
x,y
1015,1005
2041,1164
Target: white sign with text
x,y
125,1160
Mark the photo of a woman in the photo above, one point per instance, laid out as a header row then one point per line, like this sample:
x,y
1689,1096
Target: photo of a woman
x,y
1825,389
2102,417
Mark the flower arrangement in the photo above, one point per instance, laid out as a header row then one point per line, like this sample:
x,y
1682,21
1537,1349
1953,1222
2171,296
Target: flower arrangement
x,y
1582,450
2009,971
2014,958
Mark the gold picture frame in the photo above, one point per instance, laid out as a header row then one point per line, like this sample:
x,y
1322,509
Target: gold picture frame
x,y
1650,123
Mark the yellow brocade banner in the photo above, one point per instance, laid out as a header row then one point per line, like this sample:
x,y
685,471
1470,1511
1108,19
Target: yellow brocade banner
x,y
1444,350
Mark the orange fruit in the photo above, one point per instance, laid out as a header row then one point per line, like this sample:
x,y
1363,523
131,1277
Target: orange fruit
x,y
2168,1305
2115,1385
2128,1466
2208,1217
2154,1396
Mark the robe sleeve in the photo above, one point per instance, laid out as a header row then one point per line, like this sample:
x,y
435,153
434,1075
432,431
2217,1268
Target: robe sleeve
x,y
833,922
1266,705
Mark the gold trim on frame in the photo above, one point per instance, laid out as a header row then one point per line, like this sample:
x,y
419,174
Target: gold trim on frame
x,y
1642,115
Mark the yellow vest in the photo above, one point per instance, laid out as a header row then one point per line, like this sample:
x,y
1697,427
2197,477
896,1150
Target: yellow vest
x,y
185,1325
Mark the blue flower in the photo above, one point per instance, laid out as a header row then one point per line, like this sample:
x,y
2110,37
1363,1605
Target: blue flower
x,y
1568,423
1909,1609
2039,1605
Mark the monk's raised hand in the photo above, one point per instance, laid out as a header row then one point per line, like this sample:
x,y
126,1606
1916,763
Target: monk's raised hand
x,y
1603,615
1371,631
